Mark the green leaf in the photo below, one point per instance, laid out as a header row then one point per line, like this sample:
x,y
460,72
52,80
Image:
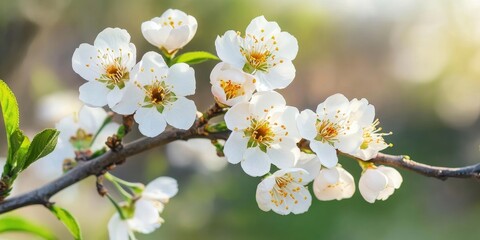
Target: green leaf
x,y
10,112
18,224
194,57
42,144
19,145
68,220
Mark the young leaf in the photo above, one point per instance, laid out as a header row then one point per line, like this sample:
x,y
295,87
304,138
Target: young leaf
x,y
10,113
19,145
42,144
18,224
194,57
68,220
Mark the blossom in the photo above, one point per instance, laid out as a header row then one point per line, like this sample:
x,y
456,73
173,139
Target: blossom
x,y
81,134
265,51
200,153
284,192
373,141
333,183
157,95
378,183
171,31
106,66
231,85
332,127
143,216
263,132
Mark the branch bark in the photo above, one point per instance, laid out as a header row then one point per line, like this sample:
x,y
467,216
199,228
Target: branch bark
x,y
442,173
99,165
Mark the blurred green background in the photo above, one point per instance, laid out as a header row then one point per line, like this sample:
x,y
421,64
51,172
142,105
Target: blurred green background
x,y
418,62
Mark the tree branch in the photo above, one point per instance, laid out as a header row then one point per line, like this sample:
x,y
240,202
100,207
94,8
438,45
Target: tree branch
x,y
442,173
108,160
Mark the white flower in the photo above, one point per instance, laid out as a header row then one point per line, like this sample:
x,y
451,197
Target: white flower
x,y
263,132
231,85
145,217
333,183
106,66
379,183
171,31
157,94
265,51
284,192
332,127
83,132
198,152
373,141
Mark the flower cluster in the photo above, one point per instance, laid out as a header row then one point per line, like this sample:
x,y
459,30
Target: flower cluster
x,y
266,131
150,89
288,148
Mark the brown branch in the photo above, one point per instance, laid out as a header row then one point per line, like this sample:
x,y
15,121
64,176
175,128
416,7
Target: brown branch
x,y
108,160
443,173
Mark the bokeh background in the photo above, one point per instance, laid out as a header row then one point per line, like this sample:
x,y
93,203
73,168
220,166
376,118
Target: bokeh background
x,y
418,62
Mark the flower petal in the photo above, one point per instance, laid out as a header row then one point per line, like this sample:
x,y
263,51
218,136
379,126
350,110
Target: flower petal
x,y
237,117
394,177
371,183
84,62
150,122
256,162
263,197
94,94
181,113
263,102
182,79
284,154
331,175
117,228
177,38
259,26
114,96
145,219
131,100
277,77
326,153
113,38
228,49
235,147
161,189
306,124
287,45
303,199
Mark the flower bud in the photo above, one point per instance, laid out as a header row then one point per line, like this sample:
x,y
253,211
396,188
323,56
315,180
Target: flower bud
x,y
171,31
